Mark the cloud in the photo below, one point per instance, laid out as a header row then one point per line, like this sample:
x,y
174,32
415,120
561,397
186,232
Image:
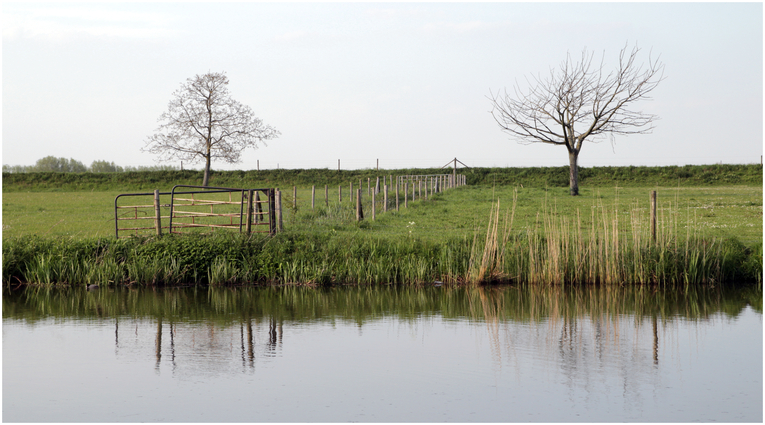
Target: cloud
x,y
59,23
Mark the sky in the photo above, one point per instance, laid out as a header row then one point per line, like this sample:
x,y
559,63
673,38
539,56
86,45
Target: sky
x,y
407,84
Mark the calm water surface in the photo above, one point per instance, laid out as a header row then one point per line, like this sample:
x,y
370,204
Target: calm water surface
x,y
382,354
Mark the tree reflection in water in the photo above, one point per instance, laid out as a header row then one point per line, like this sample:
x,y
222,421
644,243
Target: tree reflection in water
x,y
577,329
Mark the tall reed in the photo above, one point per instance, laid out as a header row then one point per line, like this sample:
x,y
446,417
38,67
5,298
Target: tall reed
x,y
604,250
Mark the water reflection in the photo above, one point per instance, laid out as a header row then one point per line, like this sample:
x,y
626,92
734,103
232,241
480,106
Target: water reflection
x,y
621,353
590,324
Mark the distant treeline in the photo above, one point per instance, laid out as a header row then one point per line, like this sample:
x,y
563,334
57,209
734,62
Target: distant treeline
x,y
52,164
688,175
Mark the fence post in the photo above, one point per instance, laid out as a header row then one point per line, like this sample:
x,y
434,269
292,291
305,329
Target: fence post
x,y
280,223
359,211
249,211
313,196
397,195
158,215
406,194
653,216
271,210
385,198
377,185
339,193
294,197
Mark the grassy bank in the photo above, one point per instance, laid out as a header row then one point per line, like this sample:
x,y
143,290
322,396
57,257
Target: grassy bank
x,y
553,250
539,177
524,232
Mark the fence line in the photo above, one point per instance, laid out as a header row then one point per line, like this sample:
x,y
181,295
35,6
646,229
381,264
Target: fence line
x,y
415,187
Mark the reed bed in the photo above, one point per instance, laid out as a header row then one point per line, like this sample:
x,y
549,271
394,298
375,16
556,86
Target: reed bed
x,y
561,250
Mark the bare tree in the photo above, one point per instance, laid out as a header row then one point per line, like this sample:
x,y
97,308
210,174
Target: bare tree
x,y
203,123
578,101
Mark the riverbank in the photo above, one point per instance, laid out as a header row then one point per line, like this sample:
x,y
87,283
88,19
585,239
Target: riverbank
x,y
514,233
550,254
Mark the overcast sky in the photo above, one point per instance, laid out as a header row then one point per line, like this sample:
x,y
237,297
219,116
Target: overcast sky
x,y
405,83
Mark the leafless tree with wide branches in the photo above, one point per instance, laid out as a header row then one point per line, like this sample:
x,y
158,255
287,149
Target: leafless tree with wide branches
x,y
203,123
580,101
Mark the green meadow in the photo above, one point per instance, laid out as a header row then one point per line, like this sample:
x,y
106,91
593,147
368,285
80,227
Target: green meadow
x,y
520,229
720,212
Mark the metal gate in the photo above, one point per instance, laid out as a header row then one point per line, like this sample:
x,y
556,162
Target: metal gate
x,y
200,209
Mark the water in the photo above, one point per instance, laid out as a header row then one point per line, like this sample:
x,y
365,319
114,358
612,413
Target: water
x,y
382,354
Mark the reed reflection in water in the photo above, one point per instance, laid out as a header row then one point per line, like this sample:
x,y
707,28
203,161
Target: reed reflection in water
x,y
432,354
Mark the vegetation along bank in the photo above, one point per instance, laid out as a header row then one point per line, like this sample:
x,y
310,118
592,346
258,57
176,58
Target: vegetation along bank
x,y
508,225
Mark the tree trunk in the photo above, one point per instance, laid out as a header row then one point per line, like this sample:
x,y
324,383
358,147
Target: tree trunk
x,y
206,179
573,173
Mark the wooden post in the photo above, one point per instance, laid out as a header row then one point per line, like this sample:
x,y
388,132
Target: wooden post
x,y
279,222
406,194
454,173
313,196
359,211
369,186
326,196
249,211
258,165
377,185
378,164
396,195
339,193
338,165
158,215
653,216
294,197
385,198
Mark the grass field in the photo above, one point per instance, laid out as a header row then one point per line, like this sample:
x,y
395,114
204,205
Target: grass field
x,y
730,211
60,229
